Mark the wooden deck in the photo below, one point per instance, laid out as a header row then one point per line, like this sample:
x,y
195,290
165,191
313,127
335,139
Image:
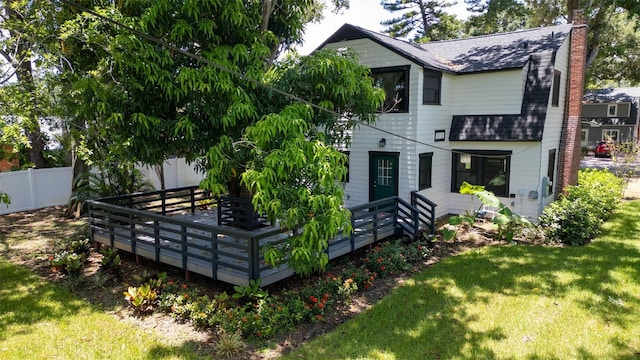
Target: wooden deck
x,y
164,227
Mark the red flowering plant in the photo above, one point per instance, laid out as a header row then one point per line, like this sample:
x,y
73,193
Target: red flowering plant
x,y
317,301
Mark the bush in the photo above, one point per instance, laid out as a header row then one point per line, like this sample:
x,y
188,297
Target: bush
x,y
576,217
254,313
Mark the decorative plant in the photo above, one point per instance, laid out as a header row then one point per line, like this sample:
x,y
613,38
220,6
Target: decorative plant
x,y
143,300
506,220
110,263
68,263
250,293
81,247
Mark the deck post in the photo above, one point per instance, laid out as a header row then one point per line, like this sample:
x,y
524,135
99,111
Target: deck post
x,y
193,200
254,258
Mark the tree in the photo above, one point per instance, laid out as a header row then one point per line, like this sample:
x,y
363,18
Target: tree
x,y
421,20
23,35
492,16
288,159
618,61
189,79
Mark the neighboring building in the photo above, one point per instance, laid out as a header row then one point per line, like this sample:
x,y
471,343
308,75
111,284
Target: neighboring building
x,y
489,110
610,114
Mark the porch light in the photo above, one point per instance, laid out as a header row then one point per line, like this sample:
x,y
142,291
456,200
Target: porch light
x,y
382,143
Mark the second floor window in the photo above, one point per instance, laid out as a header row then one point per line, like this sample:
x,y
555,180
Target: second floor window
x,y
395,83
431,87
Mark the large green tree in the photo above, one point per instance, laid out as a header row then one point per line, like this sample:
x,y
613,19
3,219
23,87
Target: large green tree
x,y
200,80
421,20
24,43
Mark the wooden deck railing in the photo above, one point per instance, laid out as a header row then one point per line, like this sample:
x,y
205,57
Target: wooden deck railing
x,y
193,241
426,209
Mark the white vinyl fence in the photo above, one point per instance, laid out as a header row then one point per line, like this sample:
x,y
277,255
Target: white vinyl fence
x,y
38,188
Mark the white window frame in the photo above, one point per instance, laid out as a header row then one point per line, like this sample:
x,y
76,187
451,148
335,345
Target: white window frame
x,y
613,107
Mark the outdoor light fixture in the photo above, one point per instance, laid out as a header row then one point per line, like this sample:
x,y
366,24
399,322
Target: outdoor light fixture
x,y
439,135
382,143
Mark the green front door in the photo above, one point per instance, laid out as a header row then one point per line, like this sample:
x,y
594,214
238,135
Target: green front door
x,y
383,175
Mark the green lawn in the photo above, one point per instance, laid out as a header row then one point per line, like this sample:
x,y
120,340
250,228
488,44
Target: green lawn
x,y
39,320
509,302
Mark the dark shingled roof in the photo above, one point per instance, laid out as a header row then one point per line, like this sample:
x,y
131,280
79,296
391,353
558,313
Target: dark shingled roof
x,y
468,55
536,47
616,95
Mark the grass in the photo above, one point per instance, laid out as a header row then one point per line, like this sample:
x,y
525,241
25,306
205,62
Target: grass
x,y
39,320
508,302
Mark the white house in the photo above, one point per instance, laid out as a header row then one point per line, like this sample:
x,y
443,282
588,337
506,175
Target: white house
x,y
493,110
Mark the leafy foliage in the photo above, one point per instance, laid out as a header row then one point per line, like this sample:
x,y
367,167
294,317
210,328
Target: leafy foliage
x,y
423,20
576,217
288,160
506,221
5,199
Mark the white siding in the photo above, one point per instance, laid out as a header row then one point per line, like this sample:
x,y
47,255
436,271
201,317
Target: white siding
x,y
525,160
489,93
366,139
554,121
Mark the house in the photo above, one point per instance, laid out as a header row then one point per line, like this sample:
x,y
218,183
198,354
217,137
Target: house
x,y
610,114
500,110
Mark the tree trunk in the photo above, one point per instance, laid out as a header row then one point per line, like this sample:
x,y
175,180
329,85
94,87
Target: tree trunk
x,y
159,169
24,73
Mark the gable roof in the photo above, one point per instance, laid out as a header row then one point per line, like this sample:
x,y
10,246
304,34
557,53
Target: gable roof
x,y
624,94
468,55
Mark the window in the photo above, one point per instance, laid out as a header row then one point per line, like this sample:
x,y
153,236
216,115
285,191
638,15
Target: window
x,y
551,166
612,110
610,134
395,83
488,168
424,170
431,87
555,98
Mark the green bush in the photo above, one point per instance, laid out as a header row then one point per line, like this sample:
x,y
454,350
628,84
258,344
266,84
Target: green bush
x,y
576,217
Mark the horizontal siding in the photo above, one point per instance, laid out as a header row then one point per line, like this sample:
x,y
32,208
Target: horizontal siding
x,y
490,93
366,139
524,178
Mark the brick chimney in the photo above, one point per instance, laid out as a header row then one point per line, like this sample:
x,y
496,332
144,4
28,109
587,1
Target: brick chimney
x,y
570,149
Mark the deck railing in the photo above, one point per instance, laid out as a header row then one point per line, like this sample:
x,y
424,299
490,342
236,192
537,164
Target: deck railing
x,y
195,243
426,209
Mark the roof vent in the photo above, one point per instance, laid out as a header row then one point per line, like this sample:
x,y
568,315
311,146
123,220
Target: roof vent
x,y
524,44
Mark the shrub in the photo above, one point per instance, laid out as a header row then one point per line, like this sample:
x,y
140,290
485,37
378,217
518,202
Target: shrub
x,y
143,300
110,264
575,218
69,263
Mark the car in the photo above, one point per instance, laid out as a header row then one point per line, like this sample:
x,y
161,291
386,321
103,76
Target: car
x,y
604,148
